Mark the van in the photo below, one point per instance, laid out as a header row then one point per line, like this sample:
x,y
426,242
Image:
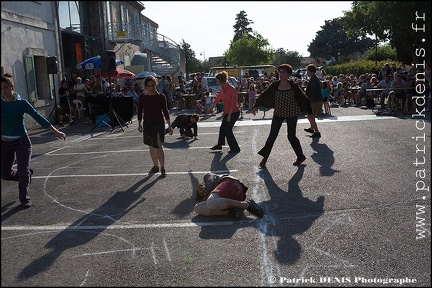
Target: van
x,y
215,88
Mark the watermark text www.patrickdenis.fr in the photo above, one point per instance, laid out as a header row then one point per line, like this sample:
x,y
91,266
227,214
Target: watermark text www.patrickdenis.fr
x,y
421,164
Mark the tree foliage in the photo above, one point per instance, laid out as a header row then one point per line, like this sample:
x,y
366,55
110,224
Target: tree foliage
x,y
191,62
291,57
332,41
241,26
393,21
381,53
249,51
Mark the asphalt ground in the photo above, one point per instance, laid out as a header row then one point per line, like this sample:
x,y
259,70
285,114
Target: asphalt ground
x,y
355,213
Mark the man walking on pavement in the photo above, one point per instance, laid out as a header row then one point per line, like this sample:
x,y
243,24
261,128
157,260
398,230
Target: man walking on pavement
x,y
313,92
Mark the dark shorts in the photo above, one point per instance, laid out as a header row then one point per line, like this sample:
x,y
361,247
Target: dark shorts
x,y
231,189
153,132
316,108
64,107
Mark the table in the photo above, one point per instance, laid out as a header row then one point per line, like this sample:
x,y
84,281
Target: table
x,y
100,104
187,101
376,94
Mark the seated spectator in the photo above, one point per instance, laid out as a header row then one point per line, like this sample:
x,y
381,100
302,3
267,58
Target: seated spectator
x,y
399,87
200,107
385,85
392,105
410,105
224,195
338,93
187,122
353,89
363,95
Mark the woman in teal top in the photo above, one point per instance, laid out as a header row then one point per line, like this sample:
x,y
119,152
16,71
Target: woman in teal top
x,y
15,142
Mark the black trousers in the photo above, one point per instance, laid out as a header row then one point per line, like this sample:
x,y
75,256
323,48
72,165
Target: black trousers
x,y
274,132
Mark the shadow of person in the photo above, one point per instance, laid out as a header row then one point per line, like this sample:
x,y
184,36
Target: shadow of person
x,y
179,144
293,214
5,215
324,157
88,227
186,206
218,227
219,164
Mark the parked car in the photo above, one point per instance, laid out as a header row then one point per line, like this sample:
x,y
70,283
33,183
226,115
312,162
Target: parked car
x,y
215,88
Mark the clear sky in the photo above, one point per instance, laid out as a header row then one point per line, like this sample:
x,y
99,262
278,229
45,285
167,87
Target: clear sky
x,y
208,25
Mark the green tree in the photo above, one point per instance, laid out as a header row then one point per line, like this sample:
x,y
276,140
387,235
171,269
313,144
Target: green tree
x,y
393,21
332,41
291,57
191,62
381,53
249,51
241,26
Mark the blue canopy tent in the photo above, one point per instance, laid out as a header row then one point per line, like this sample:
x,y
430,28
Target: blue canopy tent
x,y
144,74
94,63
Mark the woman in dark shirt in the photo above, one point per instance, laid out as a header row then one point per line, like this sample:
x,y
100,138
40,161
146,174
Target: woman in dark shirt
x,y
288,101
152,109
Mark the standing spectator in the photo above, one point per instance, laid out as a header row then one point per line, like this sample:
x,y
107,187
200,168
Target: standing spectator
x,y
169,91
288,101
251,94
187,122
95,85
162,85
228,95
181,79
325,91
88,91
204,83
72,83
65,109
137,88
15,141
313,92
194,83
152,108
79,91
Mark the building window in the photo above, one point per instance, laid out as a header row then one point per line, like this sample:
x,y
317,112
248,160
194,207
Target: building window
x,y
69,15
40,85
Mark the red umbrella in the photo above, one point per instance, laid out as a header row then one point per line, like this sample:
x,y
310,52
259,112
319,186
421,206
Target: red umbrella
x,y
118,73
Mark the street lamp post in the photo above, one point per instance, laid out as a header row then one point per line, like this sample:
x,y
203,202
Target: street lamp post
x,y
203,54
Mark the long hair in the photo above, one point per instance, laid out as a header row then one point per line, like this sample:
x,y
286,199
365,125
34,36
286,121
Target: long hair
x,y
150,78
203,195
